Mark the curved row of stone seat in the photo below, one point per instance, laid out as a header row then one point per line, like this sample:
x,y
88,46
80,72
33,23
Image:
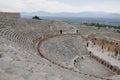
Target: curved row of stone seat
x,y
17,38
21,38
51,25
7,21
24,33
17,24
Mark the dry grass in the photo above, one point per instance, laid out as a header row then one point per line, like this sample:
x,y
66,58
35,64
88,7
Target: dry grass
x,y
103,32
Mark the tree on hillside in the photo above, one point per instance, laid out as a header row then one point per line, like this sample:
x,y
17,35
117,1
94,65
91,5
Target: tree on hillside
x,y
36,17
101,25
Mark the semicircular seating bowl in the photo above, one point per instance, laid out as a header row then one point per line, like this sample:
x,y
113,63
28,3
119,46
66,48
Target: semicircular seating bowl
x,y
64,50
23,32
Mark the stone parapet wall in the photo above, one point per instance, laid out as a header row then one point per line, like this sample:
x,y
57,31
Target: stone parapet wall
x,y
9,15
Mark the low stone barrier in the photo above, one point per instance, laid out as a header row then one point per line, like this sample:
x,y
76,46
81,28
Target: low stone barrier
x,y
106,64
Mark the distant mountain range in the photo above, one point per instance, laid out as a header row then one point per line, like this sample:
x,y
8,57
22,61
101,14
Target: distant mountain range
x,y
69,14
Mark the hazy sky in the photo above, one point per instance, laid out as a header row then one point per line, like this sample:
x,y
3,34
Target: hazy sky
x,y
60,5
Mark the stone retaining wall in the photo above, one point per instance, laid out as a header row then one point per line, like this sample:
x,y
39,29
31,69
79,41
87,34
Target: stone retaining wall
x,y
110,45
9,15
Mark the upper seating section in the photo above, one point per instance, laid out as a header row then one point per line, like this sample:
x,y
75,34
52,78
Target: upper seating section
x,y
25,32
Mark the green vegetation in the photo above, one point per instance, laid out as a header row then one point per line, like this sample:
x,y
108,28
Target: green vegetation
x,y
101,25
102,32
36,17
